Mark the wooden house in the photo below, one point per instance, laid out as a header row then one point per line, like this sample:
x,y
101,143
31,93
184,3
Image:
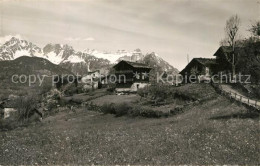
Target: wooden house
x,y
199,67
130,76
223,54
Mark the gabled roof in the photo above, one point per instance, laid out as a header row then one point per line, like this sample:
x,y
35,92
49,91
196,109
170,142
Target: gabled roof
x,y
206,61
135,64
228,49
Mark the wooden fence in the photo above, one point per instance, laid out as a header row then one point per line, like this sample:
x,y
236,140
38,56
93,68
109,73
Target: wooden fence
x,y
237,97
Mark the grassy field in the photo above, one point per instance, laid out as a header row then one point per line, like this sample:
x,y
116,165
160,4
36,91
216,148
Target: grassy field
x,y
215,132
84,97
116,99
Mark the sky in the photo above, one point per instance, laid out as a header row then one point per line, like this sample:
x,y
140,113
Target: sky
x,y
171,28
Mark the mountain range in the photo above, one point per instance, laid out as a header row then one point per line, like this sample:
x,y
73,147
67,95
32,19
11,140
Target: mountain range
x,y
79,61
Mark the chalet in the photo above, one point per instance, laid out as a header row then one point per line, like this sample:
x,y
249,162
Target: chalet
x,y
130,76
200,67
209,66
247,62
223,54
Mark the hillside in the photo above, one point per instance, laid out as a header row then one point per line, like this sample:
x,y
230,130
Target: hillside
x,y
213,132
34,66
30,65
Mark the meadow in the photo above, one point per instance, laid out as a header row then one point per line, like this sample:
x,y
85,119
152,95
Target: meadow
x,y
213,132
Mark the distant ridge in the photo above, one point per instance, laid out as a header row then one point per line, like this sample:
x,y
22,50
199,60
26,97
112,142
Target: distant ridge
x,y
77,61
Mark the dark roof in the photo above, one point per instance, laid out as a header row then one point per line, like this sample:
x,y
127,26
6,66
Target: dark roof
x,y
136,64
203,61
206,61
228,49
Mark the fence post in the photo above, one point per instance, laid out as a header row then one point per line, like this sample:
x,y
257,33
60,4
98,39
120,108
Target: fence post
x,y
235,95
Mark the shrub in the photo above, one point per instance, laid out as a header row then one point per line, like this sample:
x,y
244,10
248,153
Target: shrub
x,y
135,111
126,109
93,107
181,95
25,106
143,92
145,112
150,113
108,108
157,92
122,109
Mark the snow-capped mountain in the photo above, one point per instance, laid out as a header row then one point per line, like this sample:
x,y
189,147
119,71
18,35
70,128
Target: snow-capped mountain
x,y
57,54
15,48
112,57
77,61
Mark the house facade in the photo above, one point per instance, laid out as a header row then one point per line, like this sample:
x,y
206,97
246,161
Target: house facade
x,y
221,58
202,68
246,60
130,76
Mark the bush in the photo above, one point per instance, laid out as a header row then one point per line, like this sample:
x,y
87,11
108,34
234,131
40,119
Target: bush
x,y
157,93
25,106
51,99
93,107
108,108
150,113
143,92
122,109
126,109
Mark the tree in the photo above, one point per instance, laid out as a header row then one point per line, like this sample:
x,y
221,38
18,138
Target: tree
x,y
255,29
231,31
